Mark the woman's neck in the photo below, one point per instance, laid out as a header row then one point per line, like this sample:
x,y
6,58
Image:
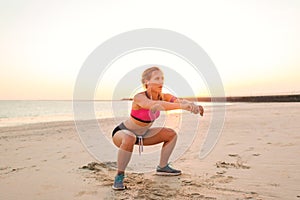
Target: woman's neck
x,y
153,95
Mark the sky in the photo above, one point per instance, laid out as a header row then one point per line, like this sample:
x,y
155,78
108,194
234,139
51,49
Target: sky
x,y
254,44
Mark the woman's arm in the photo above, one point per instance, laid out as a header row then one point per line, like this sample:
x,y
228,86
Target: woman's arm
x,y
196,108
142,101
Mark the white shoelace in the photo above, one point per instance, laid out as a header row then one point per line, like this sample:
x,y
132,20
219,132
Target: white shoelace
x,y
140,142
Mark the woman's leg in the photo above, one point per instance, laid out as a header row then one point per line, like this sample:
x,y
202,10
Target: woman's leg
x,y
125,140
167,136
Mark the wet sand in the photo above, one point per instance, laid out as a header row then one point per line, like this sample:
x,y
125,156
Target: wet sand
x,y
256,157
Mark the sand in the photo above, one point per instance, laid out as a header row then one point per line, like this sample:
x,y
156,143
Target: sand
x,y
256,157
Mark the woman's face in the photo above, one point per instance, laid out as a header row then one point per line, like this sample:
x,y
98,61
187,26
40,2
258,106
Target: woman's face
x,y
156,81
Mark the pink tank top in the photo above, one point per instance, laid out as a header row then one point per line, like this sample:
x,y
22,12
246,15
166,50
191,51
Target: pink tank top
x,y
145,115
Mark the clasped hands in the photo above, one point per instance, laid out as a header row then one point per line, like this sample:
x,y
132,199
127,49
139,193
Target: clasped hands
x,y
194,108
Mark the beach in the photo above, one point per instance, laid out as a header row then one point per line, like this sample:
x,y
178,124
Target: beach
x,y
256,157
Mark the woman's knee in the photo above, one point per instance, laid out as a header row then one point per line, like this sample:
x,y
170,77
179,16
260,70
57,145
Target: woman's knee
x,y
171,134
128,140
124,139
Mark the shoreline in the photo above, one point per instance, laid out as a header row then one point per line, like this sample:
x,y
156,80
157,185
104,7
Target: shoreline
x,y
23,121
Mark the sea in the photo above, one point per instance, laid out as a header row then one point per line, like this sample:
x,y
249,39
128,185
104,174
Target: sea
x,y
20,112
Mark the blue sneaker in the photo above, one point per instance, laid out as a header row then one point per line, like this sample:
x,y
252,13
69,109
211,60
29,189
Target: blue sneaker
x,y
167,171
118,183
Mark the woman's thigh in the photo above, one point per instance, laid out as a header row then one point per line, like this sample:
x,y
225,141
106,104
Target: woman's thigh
x,y
157,135
122,136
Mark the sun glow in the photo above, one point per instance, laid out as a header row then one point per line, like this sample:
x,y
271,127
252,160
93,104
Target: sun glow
x,y
132,65
254,45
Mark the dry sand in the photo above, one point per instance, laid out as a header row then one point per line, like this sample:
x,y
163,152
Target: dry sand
x,y
257,157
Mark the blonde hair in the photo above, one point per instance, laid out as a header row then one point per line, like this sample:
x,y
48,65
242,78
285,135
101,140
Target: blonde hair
x,y
146,76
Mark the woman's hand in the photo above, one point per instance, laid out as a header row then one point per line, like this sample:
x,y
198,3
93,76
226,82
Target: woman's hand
x,y
189,106
193,108
186,106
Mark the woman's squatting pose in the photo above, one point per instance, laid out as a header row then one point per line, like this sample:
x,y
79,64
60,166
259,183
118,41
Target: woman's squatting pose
x,y
137,130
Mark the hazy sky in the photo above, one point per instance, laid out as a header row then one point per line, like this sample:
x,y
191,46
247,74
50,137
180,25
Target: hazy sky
x,y
254,45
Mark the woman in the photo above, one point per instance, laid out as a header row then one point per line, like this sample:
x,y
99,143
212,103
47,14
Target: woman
x,y
137,129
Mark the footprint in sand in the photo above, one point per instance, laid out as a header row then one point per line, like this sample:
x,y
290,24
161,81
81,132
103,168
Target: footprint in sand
x,y
256,154
232,143
233,155
101,172
81,193
221,178
221,172
94,166
238,165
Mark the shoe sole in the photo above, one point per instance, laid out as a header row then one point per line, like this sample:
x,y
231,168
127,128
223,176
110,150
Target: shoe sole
x,y
167,174
114,188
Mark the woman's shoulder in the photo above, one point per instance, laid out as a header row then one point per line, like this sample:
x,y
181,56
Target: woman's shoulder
x,y
138,99
140,94
167,97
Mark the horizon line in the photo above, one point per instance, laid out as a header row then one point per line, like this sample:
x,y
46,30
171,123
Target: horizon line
x,y
187,97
